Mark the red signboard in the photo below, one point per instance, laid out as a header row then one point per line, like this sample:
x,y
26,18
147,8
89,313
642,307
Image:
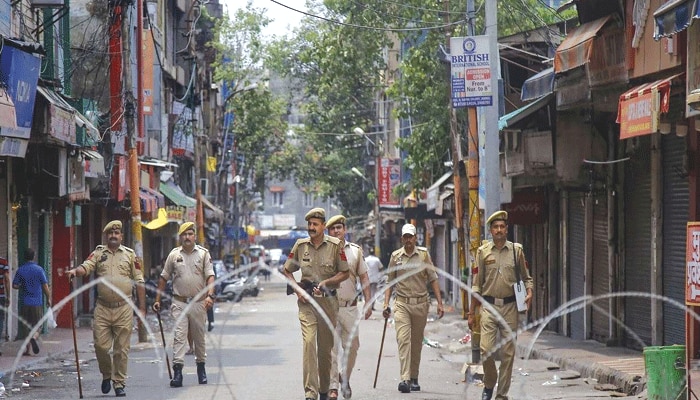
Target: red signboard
x,y
527,207
638,116
692,264
389,177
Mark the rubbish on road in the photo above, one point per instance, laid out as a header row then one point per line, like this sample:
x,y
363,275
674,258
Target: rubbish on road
x,y
15,390
25,384
2,389
466,339
523,373
554,381
432,343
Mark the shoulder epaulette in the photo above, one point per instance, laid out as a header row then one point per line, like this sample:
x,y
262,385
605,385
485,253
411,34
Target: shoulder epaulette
x,y
127,249
421,248
100,247
485,245
304,240
354,245
333,239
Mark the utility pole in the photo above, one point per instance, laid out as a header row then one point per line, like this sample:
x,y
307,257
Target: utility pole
x,y
473,209
133,166
492,175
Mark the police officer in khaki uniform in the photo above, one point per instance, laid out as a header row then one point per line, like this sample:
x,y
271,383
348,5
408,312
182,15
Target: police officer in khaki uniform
x,y
190,268
114,319
347,311
323,266
496,260
414,269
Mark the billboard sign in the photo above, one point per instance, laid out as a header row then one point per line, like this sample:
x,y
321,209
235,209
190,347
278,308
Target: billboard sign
x,y
470,71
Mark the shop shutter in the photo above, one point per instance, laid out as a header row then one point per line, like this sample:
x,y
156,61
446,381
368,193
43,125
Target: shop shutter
x,y
577,257
601,279
675,216
637,220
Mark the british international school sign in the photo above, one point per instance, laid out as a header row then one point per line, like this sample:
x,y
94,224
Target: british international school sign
x,y
471,71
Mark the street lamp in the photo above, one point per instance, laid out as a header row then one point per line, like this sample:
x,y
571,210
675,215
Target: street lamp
x,y
378,223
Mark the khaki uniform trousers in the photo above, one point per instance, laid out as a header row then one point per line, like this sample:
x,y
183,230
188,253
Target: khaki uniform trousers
x,y
112,330
193,322
490,330
318,342
346,326
410,320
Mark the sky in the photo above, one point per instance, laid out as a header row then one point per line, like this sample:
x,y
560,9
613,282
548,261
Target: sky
x,y
284,19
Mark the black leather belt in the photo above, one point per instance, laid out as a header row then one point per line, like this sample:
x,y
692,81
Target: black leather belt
x,y
110,304
411,300
499,302
186,299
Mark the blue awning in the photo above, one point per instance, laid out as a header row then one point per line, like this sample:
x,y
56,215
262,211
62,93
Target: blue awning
x,y
538,85
675,16
521,113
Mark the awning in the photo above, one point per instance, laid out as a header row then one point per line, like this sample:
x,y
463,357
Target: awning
x,y
521,113
160,199
156,163
218,213
8,116
538,85
576,48
62,121
149,204
675,16
94,163
639,108
176,195
159,222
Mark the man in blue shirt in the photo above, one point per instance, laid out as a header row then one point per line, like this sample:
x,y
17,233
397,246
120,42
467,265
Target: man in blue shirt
x,y
31,281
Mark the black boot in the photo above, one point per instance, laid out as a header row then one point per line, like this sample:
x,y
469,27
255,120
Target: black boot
x,y
486,394
201,373
415,387
177,376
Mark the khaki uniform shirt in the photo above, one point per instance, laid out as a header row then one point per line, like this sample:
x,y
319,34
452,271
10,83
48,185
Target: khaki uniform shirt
x,y
189,271
347,291
119,267
317,264
498,267
417,284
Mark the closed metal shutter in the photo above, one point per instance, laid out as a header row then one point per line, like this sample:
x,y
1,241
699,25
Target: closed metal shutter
x,y
675,217
577,257
3,220
601,279
637,215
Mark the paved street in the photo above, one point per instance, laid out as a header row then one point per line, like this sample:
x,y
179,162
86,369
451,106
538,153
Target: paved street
x,y
255,353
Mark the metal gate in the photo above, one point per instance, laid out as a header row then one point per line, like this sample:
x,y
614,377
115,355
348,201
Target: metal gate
x,y
675,216
637,215
577,260
600,308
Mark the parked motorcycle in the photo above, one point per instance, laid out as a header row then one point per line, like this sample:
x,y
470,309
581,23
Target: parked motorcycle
x,y
237,287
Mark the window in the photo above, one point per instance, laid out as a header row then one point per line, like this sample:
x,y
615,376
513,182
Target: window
x,y
308,200
278,199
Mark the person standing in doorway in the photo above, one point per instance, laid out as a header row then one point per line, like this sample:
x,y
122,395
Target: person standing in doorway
x,y
31,282
323,266
114,317
497,261
190,268
414,269
348,316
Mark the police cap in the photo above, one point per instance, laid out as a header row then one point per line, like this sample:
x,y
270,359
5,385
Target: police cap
x,y
116,224
317,212
497,216
336,219
186,226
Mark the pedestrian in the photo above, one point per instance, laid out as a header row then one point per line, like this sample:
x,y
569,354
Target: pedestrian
x,y
113,316
4,298
414,269
348,317
323,266
31,282
496,274
374,268
192,272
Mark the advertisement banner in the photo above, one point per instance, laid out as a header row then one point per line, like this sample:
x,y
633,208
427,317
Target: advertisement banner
x,y
692,263
692,89
389,178
19,71
147,72
471,71
639,115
